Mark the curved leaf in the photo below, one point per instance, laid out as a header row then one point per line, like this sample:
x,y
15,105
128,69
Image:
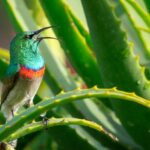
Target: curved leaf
x,y
26,116
58,122
119,66
72,41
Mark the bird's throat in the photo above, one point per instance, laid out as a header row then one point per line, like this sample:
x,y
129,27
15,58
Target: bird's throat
x,y
30,73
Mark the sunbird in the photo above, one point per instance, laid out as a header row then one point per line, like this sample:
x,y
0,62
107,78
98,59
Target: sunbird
x,y
24,73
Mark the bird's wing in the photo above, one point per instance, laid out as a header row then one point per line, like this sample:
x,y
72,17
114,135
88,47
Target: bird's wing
x,y
9,81
6,85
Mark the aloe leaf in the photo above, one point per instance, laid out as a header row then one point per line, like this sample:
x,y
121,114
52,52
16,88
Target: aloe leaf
x,y
21,21
134,35
3,64
78,136
140,11
3,61
26,116
81,29
72,41
64,24
142,32
132,23
147,3
140,19
72,132
66,85
113,53
4,54
136,30
81,106
63,121
98,116
57,122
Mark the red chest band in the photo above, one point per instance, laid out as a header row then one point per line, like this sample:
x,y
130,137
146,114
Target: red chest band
x,y
29,73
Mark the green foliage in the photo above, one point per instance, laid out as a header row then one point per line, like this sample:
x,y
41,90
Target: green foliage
x,y
109,61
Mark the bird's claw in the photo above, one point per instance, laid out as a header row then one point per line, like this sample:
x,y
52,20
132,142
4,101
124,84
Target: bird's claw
x,y
45,121
12,112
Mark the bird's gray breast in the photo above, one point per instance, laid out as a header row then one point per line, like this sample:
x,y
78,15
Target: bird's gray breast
x,y
24,90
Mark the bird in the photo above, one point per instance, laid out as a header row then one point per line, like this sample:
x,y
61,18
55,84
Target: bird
x,y
24,73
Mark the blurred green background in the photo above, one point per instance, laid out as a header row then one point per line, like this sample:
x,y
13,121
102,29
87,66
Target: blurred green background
x,y
6,30
91,54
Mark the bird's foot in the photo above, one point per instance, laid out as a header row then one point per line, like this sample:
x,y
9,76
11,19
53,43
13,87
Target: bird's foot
x,y
45,122
28,103
13,143
12,112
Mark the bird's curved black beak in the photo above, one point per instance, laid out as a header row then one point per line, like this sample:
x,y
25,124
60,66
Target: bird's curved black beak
x,y
41,30
37,32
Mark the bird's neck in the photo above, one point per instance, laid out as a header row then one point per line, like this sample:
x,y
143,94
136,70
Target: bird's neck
x,y
31,73
28,58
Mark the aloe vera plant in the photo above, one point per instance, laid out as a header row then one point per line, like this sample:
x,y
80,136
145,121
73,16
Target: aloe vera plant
x,y
97,76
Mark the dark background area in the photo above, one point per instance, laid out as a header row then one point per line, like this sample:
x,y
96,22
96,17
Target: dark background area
x,y
6,30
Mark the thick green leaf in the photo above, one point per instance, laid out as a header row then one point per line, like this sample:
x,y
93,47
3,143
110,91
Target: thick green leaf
x,y
72,41
64,25
132,24
90,113
4,57
36,126
25,15
119,67
147,3
34,111
81,29
140,19
141,41
24,19
18,15
64,121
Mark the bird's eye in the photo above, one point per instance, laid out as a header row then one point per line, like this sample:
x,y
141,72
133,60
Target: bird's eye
x,y
27,36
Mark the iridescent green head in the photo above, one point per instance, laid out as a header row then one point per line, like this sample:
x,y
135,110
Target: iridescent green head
x,y
24,49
